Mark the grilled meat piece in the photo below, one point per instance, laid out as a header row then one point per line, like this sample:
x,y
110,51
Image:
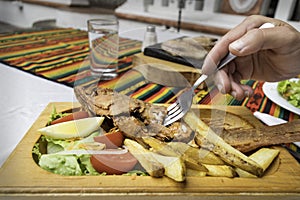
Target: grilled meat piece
x,y
106,102
134,129
132,116
247,140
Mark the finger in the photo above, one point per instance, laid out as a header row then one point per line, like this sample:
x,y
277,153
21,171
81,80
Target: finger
x,y
228,83
222,78
209,65
260,39
222,81
247,90
237,90
243,65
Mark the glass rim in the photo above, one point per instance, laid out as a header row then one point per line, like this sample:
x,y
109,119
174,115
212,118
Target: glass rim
x,y
103,21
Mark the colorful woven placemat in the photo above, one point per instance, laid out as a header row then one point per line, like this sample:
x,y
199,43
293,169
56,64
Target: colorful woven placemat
x,y
61,55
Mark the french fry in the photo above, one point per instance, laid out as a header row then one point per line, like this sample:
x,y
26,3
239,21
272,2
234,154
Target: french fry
x,y
202,155
192,172
221,171
157,165
264,157
145,158
164,149
193,164
206,138
160,147
174,166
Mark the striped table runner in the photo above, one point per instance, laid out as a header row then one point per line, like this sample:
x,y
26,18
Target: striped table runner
x,y
61,55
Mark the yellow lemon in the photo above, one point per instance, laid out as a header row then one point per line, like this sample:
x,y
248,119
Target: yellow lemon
x,y
79,128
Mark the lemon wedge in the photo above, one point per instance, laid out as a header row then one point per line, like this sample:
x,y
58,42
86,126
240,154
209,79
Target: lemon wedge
x,y
79,128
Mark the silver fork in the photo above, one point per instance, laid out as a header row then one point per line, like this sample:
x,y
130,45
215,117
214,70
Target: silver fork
x,y
183,103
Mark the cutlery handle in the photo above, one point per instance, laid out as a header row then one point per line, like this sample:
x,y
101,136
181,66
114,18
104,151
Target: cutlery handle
x,y
229,57
202,78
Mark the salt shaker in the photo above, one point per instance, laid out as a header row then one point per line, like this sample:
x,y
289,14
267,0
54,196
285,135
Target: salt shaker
x,y
150,37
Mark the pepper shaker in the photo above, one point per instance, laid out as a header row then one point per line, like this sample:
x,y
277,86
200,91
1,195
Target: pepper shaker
x,y
150,37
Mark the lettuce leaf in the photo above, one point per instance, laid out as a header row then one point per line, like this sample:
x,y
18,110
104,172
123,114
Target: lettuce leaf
x,y
56,145
86,166
290,90
67,164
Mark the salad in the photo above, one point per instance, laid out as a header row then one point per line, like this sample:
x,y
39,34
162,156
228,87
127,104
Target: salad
x,y
75,144
290,90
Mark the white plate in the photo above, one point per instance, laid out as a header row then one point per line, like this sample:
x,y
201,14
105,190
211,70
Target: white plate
x,y
270,90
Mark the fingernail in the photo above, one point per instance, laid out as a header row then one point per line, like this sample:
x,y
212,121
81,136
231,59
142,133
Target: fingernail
x,y
238,45
220,88
233,93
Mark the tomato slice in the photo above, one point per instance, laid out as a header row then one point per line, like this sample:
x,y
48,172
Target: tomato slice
x,y
113,163
111,140
72,116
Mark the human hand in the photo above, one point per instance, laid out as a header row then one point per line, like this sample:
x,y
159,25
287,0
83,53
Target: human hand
x,y
270,54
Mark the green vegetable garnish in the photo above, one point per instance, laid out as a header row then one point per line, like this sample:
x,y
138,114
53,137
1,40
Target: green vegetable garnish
x,y
290,90
36,150
55,115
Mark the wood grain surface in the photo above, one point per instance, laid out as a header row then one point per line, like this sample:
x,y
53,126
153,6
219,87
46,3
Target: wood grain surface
x,y
21,177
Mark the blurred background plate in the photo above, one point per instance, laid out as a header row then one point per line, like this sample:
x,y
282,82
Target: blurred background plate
x,y
270,89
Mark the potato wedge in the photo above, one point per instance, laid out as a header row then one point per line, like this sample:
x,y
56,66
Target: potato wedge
x,y
205,137
164,149
174,166
157,165
145,158
200,154
160,147
192,172
221,171
264,157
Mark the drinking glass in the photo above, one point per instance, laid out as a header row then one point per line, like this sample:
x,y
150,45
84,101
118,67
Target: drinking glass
x,y
104,47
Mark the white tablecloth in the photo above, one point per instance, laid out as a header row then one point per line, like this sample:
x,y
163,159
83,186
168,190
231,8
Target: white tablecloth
x,y
23,98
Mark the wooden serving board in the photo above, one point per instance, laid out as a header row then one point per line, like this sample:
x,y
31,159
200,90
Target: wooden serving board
x,y
21,177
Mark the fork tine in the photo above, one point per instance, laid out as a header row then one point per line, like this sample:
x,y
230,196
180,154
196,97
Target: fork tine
x,y
170,107
173,118
175,109
174,114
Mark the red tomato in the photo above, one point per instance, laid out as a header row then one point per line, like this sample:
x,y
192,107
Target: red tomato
x,y
111,140
113,163
72,116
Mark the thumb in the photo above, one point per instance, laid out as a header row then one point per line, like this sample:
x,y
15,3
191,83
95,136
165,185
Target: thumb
x,y
256,40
